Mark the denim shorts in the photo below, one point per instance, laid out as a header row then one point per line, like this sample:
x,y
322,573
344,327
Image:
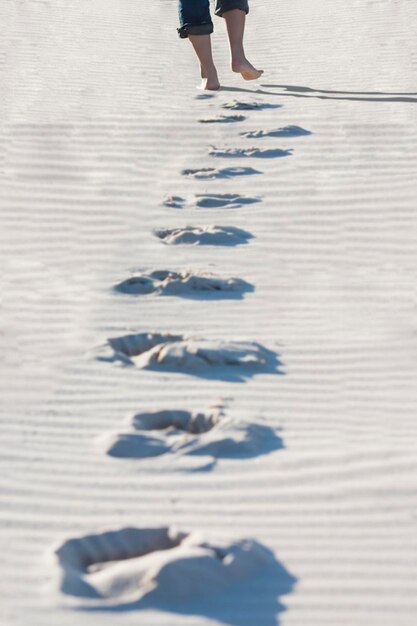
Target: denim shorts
x,y
195,18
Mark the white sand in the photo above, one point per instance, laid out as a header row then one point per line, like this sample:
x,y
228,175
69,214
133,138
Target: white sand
x,y
108,155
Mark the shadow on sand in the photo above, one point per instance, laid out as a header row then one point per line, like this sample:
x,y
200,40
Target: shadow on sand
x,y
186,285
235,442
322,94
252,603
229,236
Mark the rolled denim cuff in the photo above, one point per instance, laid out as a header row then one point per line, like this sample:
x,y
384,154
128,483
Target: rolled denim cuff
x,y
228,5
196,29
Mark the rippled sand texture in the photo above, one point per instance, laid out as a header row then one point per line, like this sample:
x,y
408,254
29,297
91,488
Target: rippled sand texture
x,y
266,234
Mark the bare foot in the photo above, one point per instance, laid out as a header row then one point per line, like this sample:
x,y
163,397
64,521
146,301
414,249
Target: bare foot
x,y
209,80
246,69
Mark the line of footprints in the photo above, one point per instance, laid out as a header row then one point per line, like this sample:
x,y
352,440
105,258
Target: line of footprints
x,y
163,568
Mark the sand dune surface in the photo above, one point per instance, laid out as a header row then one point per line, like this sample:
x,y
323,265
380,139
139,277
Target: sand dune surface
x,y
208,317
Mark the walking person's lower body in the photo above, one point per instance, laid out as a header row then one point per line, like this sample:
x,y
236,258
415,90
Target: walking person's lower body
x,y
197,26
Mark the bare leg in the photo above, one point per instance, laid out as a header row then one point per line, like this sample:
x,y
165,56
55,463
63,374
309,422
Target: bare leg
x,y
202,47
235,22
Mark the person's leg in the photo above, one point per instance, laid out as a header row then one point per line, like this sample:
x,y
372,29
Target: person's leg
x,y
202,47
234,12
196,24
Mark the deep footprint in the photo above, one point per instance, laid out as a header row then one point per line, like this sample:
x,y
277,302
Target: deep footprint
x,y
255,153
204,236
236,105
227,360
210,201
286,131
184,284
223,119
210,173
208,433
157,567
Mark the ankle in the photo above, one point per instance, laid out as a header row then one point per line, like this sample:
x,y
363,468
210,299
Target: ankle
x,y
210,70
237,62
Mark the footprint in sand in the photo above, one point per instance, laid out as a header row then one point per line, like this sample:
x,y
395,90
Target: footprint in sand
x,y
211,201
223,119
211,173
255,153
209,433
237,105
286,131
200,172
204,236
227,360
185,284
163,568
